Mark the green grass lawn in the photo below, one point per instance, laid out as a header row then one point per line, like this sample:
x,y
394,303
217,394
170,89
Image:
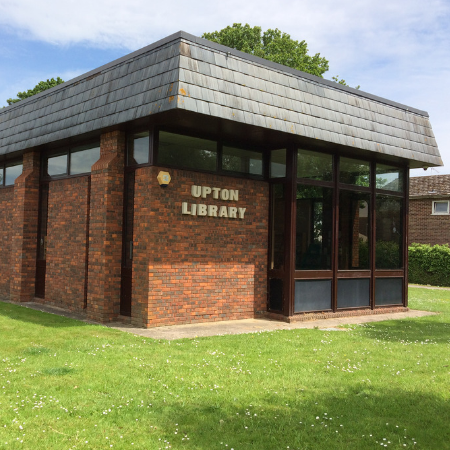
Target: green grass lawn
x,y
65,385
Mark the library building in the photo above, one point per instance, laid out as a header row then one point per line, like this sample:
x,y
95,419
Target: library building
x,y
190,182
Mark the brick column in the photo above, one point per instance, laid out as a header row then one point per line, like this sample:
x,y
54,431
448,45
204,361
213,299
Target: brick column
x,y
105,231
25,226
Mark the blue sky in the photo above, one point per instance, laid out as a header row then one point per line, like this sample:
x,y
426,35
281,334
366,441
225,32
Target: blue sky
x,y
397,49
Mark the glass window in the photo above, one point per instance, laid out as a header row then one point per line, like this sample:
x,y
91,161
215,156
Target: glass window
x,y
314,227
389,232
353,293
312,295
187,152
388,291
83,158
389,178
11,173
278,163
57,165
440,207
1,176
138,149
354,171
314,165
354,230
278,221
243,161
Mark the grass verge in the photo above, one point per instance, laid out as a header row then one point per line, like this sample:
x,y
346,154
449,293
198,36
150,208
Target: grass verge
x,y
65,385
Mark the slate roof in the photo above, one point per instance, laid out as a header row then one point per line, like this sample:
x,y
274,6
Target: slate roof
x,y
429,186
185,72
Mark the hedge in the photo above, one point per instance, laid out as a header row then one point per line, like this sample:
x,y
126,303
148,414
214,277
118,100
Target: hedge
x,y
429,265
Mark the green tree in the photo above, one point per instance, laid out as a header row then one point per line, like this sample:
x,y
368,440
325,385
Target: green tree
x,y
273,45
40,87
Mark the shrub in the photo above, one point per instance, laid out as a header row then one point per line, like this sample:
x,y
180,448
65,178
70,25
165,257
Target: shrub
x,y
429,265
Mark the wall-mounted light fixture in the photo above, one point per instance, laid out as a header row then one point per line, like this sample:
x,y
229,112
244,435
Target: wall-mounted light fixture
x,y
163,178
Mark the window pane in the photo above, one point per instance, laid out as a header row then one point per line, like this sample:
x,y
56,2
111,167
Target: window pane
x,y
278,163
389,232
278,219
314,165
388,291
1,176
312,295
388,177
314,228
83,158
57,165
243,161
11,173
138,148
354,230
354,171
187,152
440,207
353,293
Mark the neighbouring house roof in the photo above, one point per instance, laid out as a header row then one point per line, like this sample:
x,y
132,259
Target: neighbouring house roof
x,y
429,186
184,72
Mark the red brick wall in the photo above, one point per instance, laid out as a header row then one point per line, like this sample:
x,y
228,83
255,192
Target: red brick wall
x,y
200,268
24,226
66,242
105,231
6,214
425,228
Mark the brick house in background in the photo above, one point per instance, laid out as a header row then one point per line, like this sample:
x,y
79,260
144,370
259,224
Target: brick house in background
x,y
191,182
429,209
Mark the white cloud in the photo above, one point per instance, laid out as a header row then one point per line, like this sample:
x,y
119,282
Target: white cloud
x,y
398,49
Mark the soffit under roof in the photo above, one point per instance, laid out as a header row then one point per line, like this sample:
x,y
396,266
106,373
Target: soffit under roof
x,y
186,73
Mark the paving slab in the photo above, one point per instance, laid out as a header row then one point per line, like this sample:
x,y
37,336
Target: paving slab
x,y
225,327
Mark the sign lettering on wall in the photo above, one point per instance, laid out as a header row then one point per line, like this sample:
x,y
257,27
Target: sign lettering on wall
x,y
200,209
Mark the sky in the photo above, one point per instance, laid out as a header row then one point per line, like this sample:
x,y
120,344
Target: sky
x,y
396,49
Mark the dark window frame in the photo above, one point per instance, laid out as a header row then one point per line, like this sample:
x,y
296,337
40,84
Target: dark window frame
x,y
9,163
68,150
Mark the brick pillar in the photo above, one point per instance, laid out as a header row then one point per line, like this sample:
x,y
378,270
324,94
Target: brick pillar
x,y
105,230
25,226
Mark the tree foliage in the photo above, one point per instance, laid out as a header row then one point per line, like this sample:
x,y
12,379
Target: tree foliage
x,y
273,45
40,87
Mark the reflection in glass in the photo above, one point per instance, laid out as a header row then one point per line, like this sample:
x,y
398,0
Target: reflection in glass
x,y
389,178
354,230
278,163
314,228
11,173
83,158
389,232
243,161
138,148
57,165
354,171
278,220
314,165
188,152
1,176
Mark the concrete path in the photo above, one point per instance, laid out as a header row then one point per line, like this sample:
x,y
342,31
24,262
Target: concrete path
x,y
231,326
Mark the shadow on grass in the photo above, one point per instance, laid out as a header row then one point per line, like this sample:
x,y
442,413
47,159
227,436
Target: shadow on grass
x,y
30,315
426,330
363,418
